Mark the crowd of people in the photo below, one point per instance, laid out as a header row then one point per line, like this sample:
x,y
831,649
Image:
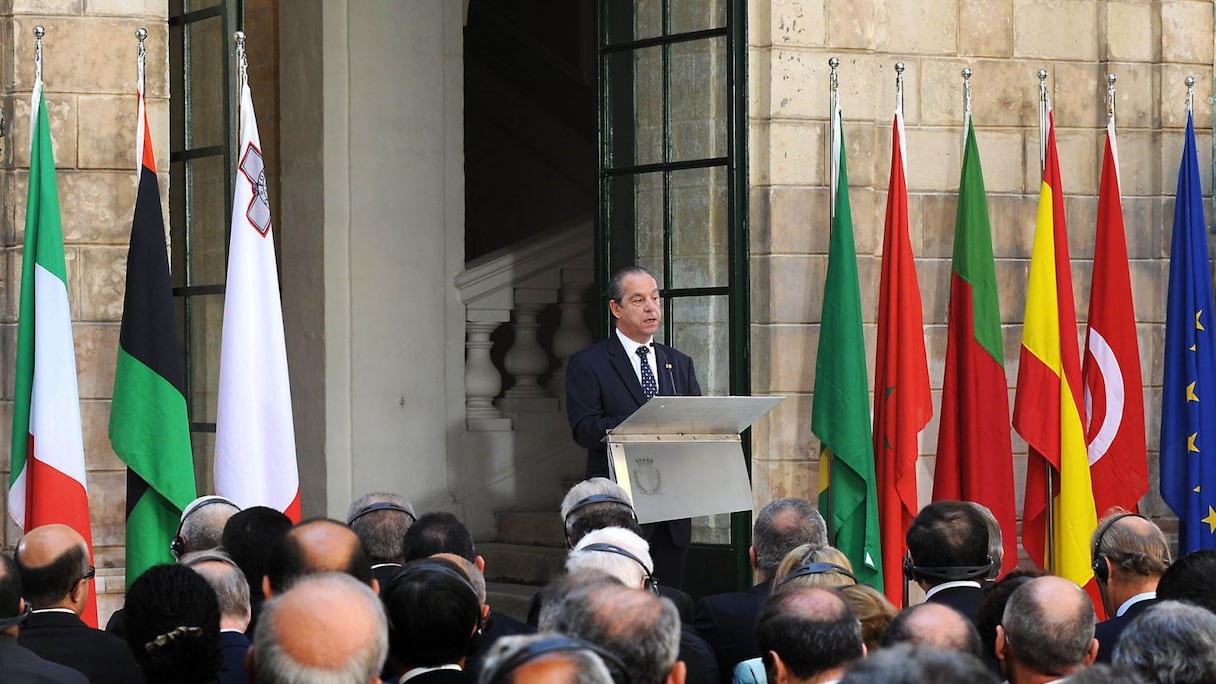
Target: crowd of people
x,y
391,596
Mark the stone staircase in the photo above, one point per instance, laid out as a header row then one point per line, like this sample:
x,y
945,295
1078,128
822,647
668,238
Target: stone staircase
x,y
529,550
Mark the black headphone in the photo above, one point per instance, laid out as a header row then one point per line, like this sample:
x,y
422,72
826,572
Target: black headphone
x,y
498,674
650,582
178,546
1101,570
949,573
594,499
436,565
382,506
818,568
17,619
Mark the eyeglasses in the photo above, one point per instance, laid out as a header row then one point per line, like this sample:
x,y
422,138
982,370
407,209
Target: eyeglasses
x,y
89,574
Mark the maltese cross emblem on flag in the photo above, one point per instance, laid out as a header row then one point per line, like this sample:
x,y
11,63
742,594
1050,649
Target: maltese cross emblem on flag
x,y
254,169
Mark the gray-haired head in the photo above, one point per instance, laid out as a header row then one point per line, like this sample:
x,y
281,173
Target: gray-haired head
x,y
783,525
639,628
380,519
509,659
594,553
1170,643
914,664
226,578
996,540
594,504
202,524
1048,626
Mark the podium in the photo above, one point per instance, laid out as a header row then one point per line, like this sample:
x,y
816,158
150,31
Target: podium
x,y
682,457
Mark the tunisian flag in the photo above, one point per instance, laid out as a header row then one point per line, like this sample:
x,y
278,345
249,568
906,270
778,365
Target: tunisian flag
x,y
47,474
1114,396
902,403
974,445
255,444
1047,410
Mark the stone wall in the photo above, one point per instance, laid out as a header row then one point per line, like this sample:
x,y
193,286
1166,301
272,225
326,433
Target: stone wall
x,y
89,75
1152,47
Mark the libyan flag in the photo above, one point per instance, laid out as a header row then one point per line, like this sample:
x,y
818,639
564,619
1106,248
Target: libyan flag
x,y
149,427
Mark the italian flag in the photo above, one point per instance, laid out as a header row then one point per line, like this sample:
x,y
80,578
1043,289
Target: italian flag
x,y
47,476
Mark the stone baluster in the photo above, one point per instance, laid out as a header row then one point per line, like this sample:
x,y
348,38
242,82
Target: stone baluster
x,y
527,360
572,333
482,381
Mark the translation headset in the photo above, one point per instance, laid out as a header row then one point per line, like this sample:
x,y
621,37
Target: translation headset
x,y
949,573
382,506
651,584
1100,568
595,499
500,672
434,565
818,568
17,619
178,546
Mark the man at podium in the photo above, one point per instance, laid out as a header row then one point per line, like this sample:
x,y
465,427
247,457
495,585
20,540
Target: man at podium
x,y
608,381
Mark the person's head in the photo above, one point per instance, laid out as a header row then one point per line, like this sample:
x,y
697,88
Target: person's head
x,y
639,628
996,540
231,589
1170,643
250,537
53,561
1047,629
326,629
434,612
1190,579
313,546
992,607
806,632
12,605
814,566
915,664
947,541
782,526
635,303
380,519
594,504
1129,554
438,532
545,659
615,551
202,524
873,610
173,625
936,625
548,601
1101,673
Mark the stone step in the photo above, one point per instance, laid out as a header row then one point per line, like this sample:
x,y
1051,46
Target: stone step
x,y
536,528
512,599
521,563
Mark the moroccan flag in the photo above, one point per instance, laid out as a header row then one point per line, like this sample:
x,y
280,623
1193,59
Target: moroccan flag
x,y
974,445
840,415
149,427
902,403
1047,406
47,475
1188,392
255,444
1114,391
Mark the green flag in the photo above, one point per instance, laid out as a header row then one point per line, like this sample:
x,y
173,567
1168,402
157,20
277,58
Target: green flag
x,y
840,415
149,427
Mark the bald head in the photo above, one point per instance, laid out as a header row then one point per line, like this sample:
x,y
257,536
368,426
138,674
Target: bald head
x,y
325,628
52,561
812,631
1048,627
313,546
936,625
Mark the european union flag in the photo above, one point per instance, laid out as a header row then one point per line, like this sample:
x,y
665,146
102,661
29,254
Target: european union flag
x,y
1188,401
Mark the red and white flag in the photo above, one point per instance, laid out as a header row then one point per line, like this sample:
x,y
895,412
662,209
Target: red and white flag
x,y
255,446
1114,392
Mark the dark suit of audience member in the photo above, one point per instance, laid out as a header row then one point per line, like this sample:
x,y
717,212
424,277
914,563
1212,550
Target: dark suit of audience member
x,y
1108,632
64,638
1129,554
17,663
498,625
233,646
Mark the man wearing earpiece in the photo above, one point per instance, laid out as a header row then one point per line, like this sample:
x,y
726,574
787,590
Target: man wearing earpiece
x,y
948,555
1129,555
202,525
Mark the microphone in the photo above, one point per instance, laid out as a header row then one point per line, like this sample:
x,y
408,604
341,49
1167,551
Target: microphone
x,y
675,391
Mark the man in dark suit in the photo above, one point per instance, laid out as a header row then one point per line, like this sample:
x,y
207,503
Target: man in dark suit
x,y
608,381
232,594
53,562
19,664
948,555
1129,555
727,622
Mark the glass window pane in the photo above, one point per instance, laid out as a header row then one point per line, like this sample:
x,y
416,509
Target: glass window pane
x,y
698,99
206,313
697,15
700,327
637,221
177,223
206,50
711,529
207,177
634,19
177,103
700,229
203,445
635,82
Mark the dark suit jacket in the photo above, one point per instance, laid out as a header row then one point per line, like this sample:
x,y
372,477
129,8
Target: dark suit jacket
x,y
65,639
1107,632
384,573
965,600
698,657
233,646
19,664
499,625
602,391
727,622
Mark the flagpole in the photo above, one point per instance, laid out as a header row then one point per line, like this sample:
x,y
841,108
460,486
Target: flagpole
x,y
141,34
899,88
966,99
1050,513
1044,119
1190,94
39,32
242,79
1110,99
833,153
